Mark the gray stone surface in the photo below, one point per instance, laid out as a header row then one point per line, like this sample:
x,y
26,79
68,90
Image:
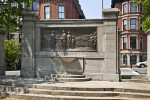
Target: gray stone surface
x,y
2,68
148,54
100,64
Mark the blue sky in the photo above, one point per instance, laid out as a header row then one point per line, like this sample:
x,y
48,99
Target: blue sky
x,y
92,8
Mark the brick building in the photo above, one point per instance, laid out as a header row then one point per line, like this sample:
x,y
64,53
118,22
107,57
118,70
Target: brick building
x,y
52,9
60,9
133,41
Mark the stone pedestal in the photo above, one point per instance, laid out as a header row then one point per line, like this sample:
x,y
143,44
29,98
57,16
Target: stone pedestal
x,y
43,51
2,68
148,54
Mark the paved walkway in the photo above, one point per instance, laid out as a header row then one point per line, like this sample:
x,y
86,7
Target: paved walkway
x,y
128,71
13,76
88,84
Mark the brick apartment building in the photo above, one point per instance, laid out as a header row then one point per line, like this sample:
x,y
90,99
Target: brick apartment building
x,y
60,9
52,9
133,41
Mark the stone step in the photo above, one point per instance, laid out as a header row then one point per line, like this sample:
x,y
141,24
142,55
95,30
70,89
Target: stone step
x,y
23,89
54,97
73,79
70,76
74,93
88,93
134,80
89,89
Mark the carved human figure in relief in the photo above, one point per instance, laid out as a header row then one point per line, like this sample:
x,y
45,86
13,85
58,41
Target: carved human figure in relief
x,y
73,42
69,39
91,42
64,40
53,40
95,41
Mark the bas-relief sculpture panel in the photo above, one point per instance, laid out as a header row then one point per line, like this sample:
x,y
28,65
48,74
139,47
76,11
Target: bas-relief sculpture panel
x,y
69,39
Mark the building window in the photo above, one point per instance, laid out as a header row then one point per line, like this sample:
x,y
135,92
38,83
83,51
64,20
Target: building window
x,y
12,36
133,23
124,42
22,4
46,12
133,59
124,8
132,9
133,42
141,58
33,5
20,19
12,4
140,24
141,43
141,8
124,24
124,59
61,12
20,38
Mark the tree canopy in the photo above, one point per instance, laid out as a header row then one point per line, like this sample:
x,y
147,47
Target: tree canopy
x,y
12,52
146,18
9,15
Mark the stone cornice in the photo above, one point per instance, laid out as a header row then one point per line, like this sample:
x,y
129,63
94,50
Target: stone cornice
x,y
148,32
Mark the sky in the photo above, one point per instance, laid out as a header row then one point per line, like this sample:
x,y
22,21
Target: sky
x,y
92,8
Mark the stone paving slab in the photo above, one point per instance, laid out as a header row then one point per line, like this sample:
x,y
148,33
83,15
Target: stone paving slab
x,y
89,84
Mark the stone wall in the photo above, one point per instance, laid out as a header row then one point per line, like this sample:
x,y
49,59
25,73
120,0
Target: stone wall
x,y
2,68
100,62
148,54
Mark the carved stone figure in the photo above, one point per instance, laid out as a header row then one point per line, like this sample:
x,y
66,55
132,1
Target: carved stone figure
x,y
95,41
64,40
53,41
91,42
73,42
69,39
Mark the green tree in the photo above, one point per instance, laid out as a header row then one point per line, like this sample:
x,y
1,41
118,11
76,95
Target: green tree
x,y
12,52
146,18
9,15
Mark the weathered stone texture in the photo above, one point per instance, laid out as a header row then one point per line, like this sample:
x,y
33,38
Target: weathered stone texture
x,y
148,54
99,64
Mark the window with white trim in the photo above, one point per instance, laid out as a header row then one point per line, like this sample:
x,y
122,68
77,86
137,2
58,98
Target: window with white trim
x,y
124,8
133,24
46,12
124,24
124,59
132,8
133,42
124,42
61,12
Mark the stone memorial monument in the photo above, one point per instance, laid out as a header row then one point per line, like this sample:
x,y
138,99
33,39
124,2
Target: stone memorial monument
x,y
2,68
88,46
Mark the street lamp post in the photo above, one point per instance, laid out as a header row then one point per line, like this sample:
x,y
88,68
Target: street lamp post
x,y
102,5
131,57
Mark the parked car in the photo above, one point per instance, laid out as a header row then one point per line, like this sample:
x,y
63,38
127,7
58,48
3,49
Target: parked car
x,y
141,64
